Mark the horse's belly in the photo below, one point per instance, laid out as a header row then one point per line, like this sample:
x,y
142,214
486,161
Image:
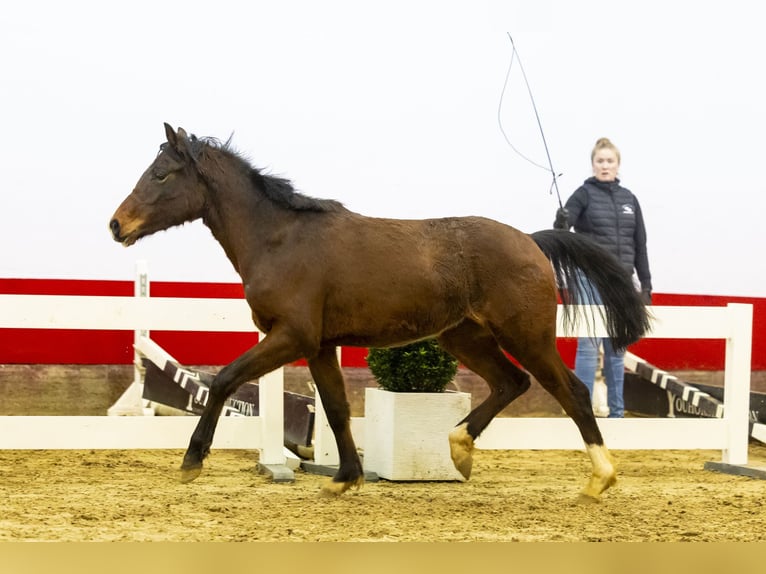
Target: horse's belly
x,y
383,324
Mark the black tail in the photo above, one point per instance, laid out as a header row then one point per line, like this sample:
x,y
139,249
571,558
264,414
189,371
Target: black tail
x,y
573,257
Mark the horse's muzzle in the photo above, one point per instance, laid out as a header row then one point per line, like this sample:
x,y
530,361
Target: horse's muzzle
x,y
114,225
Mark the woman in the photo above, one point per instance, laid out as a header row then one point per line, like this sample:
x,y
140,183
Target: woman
x,y
610,215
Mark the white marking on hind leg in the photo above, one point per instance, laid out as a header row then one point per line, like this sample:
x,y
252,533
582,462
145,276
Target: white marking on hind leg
x,y
604,473
461,449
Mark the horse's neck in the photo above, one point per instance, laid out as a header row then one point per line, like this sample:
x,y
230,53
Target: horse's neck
x,y
241,218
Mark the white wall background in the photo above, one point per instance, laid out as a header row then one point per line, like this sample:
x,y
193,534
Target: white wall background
x,y
392,108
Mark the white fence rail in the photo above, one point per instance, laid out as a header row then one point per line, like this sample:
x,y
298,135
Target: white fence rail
x,y
140,314
265,432
734,323
124,313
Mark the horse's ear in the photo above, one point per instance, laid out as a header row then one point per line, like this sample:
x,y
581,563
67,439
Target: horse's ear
x,y
171,135
180,142
184,145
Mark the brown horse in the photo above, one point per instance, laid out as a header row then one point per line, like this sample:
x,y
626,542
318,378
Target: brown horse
x,y
317,275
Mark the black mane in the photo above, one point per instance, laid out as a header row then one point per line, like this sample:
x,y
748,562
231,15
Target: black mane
x,y
281,191
277,189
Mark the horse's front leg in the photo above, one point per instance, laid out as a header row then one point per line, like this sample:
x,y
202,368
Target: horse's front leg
x,y
329,381
269,354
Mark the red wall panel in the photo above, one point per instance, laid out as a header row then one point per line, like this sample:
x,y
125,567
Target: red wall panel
x,y
115,347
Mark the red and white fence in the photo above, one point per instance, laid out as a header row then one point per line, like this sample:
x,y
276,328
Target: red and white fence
x,y
140,314
729,434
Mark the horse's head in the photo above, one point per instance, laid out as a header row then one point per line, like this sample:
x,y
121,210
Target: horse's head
x,y
170,192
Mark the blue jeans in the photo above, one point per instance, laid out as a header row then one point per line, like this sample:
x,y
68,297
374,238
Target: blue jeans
x,y
586,363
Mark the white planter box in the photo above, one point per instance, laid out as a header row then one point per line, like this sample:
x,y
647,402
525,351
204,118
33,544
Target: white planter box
x,y
406,434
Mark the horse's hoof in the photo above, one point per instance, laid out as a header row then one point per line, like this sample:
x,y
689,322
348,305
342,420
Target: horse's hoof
x,y
461,450
604,472
334,489
586,498
189,474
596,486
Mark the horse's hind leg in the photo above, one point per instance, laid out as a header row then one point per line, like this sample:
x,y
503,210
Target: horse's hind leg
x,y
477,349
544,362
330,385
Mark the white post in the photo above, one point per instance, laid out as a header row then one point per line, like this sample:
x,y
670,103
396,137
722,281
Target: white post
x,y
325,447
131,402
272,414
140,289
736,397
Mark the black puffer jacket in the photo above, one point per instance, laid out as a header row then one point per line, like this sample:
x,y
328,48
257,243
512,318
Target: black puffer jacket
x,y
610,215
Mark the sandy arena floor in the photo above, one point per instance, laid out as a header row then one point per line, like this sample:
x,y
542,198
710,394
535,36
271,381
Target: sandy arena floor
x,y
512,496
134,495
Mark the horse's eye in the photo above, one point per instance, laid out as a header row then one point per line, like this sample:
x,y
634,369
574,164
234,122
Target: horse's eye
x,y
161,177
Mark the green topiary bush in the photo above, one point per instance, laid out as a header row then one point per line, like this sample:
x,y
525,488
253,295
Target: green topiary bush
x,y
421,367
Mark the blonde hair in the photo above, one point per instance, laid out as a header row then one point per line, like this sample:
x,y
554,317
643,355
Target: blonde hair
x,y
605,143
